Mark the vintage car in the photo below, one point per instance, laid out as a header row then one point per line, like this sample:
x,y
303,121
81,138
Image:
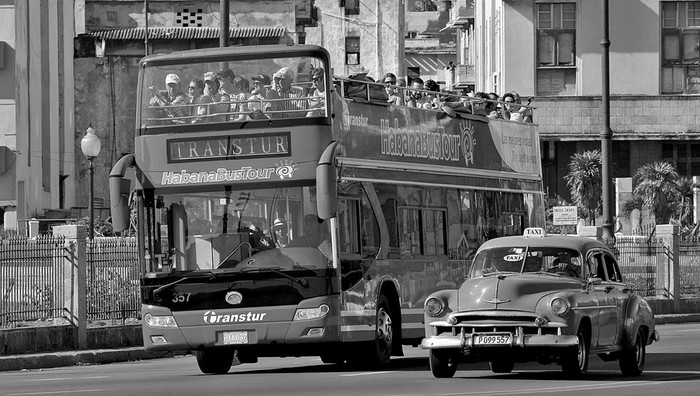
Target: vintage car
x,y
544,298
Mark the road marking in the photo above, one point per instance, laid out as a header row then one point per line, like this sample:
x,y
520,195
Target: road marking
x,y
65,378
62,392
372,373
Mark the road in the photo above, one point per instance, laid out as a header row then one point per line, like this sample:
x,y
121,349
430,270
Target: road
x,y
673,367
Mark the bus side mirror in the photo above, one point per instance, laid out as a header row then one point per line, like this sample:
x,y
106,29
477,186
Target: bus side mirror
x,y
119,190
326,183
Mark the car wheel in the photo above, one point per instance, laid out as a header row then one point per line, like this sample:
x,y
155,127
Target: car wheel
x,y
501,366
574,363
442,364
632,359
212,361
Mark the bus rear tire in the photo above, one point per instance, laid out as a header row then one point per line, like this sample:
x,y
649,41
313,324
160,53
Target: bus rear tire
x,y
214,361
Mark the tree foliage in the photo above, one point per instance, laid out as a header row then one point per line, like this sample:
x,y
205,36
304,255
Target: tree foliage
x,y
657,184
585,183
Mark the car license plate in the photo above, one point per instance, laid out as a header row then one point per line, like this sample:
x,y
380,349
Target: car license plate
x,y
493,339
235,337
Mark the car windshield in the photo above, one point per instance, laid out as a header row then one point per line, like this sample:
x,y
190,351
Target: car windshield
x,y
526,259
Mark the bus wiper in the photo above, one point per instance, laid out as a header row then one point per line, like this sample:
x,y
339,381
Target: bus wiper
x,y
156,292
277,271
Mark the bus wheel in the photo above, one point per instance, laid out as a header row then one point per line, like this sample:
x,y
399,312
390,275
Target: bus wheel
x,y
214,361
384,332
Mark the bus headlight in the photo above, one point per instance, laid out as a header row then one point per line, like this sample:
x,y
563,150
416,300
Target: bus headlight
x,y
159,321
434,306
311,313
559,306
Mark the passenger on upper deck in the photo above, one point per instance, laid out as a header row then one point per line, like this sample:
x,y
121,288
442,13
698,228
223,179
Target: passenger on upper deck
x,y
395,97
171,96
258,94
430,99
283,96
196,94
415,98
236,88
514,111
211,89
317,99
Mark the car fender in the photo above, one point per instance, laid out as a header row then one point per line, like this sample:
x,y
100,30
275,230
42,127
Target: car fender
x,y
638,314
449,296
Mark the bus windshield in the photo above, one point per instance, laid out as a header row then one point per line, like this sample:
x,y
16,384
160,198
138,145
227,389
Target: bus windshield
x,y
182,94
241,230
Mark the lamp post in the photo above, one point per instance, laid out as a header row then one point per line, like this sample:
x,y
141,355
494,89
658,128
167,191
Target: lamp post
x,y
91,144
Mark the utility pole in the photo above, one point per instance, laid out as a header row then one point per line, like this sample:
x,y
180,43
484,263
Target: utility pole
x,y
606,133
224,23
145,13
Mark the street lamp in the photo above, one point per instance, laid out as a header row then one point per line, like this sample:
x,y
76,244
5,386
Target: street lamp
x,y
91,145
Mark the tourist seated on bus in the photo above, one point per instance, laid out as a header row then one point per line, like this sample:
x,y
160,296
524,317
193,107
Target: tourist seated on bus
x,y
237,91
415,98
513,110
285,100
216,111
395,97
313,235
171,102
256,104
317,93
258,239
430,99
195,91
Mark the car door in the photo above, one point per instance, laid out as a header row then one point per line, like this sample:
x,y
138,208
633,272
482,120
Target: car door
x,y
609,294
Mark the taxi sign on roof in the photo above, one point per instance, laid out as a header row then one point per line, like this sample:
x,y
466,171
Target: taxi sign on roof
x,y
534,232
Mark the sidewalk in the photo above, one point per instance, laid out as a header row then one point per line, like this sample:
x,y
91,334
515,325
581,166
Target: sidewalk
x,y
103,356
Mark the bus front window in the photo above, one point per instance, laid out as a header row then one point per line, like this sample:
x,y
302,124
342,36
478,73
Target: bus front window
x,y
217,230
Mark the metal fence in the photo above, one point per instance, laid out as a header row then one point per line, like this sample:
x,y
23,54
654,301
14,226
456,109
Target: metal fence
x,y
31,280
35,284
689,263
112,280
639,261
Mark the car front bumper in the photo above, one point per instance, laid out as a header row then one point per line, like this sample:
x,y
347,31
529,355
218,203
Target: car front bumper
x,y
465,341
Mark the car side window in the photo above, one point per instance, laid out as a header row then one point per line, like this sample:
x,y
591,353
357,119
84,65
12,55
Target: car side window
x,y
596,266
612,269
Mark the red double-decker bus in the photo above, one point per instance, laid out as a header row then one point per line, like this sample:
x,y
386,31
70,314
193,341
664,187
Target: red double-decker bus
x,y
296,221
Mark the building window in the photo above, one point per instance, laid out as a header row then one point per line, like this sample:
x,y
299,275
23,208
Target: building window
x,y
421,5
352,50
352,7
685,156
680,72
556,49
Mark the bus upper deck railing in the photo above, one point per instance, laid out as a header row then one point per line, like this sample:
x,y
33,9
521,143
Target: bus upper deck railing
x,y
299,107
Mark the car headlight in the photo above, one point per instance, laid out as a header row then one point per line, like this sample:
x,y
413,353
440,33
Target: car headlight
x,y
311,313
434,306
159,320
559,306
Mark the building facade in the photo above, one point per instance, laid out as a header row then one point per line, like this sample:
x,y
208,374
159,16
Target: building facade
x,y
551,50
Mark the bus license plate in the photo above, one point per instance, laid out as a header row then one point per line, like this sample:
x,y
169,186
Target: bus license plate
x,y
493,339
235,337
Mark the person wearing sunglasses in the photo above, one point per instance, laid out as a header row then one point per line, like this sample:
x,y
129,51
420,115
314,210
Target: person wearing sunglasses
x,y
394,97
317,93
195,91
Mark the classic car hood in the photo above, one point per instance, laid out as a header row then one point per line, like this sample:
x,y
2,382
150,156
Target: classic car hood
x,y
511,291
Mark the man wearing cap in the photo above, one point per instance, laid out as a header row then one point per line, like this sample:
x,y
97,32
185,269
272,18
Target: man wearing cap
x,y
317,96
258,94
219,102
170,97
283,96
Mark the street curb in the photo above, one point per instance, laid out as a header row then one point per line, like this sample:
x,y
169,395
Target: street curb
x,y
71,358
676,318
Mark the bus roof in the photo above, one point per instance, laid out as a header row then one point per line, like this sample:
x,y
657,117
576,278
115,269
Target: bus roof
x,y
242,52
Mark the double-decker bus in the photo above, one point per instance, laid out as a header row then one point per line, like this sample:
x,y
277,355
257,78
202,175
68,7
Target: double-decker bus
x,y
302,222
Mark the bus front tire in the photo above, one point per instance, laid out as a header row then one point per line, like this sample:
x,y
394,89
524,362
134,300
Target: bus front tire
x,y
377,353
214,361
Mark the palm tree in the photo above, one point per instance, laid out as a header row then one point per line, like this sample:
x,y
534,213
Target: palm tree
x,y
584,182
656,184
685,206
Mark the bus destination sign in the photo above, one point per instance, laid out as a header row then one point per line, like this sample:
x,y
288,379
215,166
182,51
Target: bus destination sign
x,y
229,147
